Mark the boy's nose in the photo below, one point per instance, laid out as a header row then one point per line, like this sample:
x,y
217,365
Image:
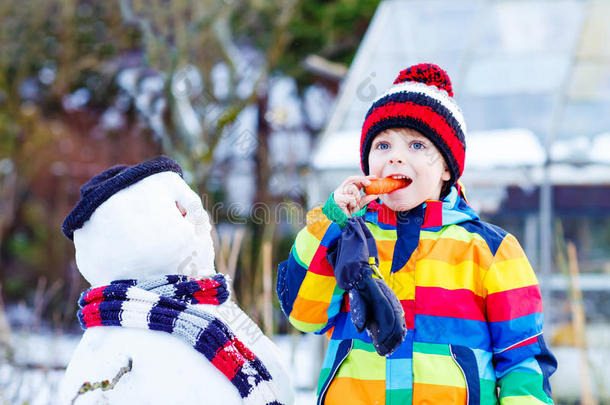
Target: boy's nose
x,y
395,160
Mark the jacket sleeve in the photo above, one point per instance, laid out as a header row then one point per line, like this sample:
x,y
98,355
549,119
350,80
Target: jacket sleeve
x,y
306,285
522,362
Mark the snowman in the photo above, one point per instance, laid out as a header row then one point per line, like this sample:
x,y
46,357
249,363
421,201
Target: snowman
x,y
159,326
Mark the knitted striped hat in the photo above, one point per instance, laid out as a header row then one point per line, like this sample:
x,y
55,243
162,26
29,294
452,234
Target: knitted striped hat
x,y
104,185
421,99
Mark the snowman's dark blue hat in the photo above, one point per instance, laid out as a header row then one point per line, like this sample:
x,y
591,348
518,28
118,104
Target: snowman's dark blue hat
x,y
102,186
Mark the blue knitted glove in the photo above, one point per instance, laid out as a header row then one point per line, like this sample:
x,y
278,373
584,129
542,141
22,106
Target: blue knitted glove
x,y
373,305
350,256
385,321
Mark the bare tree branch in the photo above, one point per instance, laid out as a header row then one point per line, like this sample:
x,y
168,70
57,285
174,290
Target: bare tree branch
x,y
104,385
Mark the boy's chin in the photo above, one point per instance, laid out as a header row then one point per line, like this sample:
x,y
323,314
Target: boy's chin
x,y
398,203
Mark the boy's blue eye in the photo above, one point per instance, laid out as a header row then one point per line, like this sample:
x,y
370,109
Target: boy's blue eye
x,y
418,145
383,146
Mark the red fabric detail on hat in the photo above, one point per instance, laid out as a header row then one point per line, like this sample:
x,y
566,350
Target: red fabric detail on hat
x,y
427,73
422,113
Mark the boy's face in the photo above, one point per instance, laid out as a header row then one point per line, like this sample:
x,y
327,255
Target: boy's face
x,y
406,152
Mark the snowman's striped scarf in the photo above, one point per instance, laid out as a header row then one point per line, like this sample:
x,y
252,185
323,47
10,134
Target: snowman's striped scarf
x,y
171,304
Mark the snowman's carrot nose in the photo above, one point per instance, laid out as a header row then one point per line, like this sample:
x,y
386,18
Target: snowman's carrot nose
x,y
181,209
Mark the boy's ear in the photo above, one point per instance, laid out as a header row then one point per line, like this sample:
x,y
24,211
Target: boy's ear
x,y
446,175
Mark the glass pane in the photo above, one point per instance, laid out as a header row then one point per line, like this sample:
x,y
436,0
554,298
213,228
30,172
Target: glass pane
x,y
374,78
494,112
511,75
590,81
432,26
596,31
532,26
508,60
585,118
503,148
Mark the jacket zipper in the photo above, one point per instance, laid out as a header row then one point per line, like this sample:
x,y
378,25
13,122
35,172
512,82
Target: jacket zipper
x,y
330,377
453,355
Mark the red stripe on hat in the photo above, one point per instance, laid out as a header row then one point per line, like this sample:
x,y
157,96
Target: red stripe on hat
x,y
434,214
423,113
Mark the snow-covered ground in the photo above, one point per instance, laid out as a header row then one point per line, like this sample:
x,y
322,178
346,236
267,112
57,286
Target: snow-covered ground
x,y
303,353
39,361
43,356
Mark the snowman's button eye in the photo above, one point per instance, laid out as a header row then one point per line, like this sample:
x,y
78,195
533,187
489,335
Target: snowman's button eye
x,y
181,209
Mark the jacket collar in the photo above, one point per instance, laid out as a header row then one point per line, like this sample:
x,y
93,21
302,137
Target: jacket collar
x,y
453,209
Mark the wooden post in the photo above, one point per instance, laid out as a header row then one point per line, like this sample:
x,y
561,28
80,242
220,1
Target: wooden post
x,y
267,296
219,261
578,324
238,237
5,328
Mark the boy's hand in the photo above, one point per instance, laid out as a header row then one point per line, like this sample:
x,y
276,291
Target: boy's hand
x,y
347,195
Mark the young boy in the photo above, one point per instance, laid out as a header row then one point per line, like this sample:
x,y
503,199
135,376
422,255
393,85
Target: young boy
x,y
471,301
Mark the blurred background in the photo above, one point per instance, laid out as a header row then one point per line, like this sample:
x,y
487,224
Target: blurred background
x,y
262,104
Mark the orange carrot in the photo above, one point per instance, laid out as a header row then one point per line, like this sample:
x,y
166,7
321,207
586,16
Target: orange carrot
x,y
386,185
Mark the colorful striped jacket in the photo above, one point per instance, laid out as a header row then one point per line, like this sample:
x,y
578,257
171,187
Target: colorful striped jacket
x,y
472,305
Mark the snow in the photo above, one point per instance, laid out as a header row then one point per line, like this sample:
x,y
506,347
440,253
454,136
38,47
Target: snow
x,y
600,148
317,102
284,98
506,148
220,77
159,239
76,100
56,353
52,352
488,156
341,150
582,149
38,386
239,140
566,150
38,366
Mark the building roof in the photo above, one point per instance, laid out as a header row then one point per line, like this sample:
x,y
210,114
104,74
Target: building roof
x,y
524,74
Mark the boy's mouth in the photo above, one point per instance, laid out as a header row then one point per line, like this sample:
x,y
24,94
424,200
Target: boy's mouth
x,y
388,184
404,179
